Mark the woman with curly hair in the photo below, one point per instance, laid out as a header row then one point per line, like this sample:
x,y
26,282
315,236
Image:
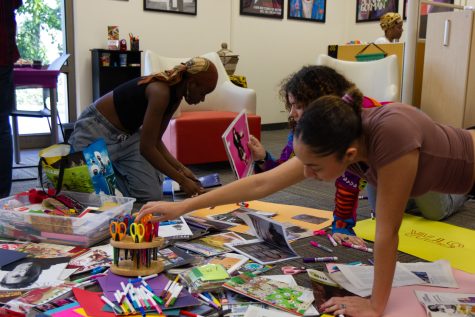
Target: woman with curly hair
x,y
297,91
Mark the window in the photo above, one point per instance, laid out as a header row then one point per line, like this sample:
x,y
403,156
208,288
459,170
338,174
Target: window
x,y
45,31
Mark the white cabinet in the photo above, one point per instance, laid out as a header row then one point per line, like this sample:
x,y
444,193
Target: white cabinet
x,y
448,85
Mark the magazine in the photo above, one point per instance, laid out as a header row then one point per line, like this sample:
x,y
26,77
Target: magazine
x,y
207,224
173,257
236,138
293,299
324,287
230,261
271,245
441,304
210,245
174,229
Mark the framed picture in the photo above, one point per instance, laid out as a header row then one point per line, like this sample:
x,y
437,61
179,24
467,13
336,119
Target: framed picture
x,y
172,6
314,10
370,10
262,8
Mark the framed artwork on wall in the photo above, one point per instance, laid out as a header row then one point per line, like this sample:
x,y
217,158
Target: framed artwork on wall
x,y
171,6
262,8
308,10
372,10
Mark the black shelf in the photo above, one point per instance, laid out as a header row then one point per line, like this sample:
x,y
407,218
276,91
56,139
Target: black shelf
x,y
106,78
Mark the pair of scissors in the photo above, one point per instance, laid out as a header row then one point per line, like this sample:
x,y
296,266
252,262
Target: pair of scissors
x,y
145,219
291,270
128,220
117,230
137,232
149,231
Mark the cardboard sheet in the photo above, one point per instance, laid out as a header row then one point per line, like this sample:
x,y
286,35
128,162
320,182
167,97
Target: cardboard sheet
x,y
430,240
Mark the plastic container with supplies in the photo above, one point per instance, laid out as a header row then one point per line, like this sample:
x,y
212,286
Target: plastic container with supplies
x,y
90,228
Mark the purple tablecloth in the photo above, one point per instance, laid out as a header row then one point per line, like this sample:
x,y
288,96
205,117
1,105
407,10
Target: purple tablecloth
x,y
35,77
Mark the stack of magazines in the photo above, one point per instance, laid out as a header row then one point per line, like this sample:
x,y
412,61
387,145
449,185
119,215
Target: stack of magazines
x,y
207,277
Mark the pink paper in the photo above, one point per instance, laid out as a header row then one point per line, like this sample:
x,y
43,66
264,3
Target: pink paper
x,y
403,300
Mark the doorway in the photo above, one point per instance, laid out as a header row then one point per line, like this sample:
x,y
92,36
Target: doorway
x,y
44,32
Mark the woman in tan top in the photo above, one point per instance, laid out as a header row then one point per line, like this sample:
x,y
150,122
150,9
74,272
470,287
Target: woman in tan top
x,y
396,148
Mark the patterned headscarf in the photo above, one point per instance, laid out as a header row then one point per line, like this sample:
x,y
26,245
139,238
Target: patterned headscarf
x,y
173,76
389,20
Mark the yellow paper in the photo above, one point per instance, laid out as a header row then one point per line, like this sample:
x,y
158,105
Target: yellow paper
x,y
430,240
81,312
284,213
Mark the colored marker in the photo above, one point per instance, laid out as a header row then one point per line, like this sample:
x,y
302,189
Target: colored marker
x,y
214,299
329,236
322,259
207,300
164,291
357,247
114,307
146,278
152,302
318,245
152,295
189,314
174,296
319,232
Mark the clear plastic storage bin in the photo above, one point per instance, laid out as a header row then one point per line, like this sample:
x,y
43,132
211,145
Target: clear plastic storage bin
x,y
84,231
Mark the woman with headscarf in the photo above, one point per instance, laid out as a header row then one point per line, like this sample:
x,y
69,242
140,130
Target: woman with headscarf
x,y
132,119
391,24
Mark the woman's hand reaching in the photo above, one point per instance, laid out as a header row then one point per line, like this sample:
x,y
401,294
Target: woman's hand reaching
x,y
161,211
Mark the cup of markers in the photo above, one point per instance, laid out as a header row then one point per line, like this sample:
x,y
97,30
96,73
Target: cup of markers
x,y
135,246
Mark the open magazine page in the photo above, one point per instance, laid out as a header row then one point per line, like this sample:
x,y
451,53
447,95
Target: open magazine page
x,y
236,138
438,304
438,273
362,276
272,245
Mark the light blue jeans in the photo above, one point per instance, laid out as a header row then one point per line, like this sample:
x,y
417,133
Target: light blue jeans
x,y
433,206
136,177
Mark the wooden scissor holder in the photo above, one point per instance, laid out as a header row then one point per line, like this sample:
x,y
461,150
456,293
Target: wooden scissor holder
x,y
135,264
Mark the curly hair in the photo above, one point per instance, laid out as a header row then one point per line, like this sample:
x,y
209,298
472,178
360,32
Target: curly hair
x,y
312,82
331,123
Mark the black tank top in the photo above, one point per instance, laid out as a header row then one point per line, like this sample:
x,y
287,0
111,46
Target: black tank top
x,y
131,103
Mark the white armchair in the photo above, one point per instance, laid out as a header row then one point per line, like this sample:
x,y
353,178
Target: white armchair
x,y
226,96
194,134
377,79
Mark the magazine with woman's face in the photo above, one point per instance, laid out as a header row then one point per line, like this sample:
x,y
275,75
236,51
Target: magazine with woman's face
x,y
32,273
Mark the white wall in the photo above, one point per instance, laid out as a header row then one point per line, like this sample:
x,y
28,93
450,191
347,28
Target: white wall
x,y
269,49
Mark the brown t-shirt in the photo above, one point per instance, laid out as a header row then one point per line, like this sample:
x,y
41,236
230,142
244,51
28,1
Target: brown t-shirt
x,y
446,153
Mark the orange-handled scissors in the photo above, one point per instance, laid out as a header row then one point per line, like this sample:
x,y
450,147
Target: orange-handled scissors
x,y
137,232
117,230
145,219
